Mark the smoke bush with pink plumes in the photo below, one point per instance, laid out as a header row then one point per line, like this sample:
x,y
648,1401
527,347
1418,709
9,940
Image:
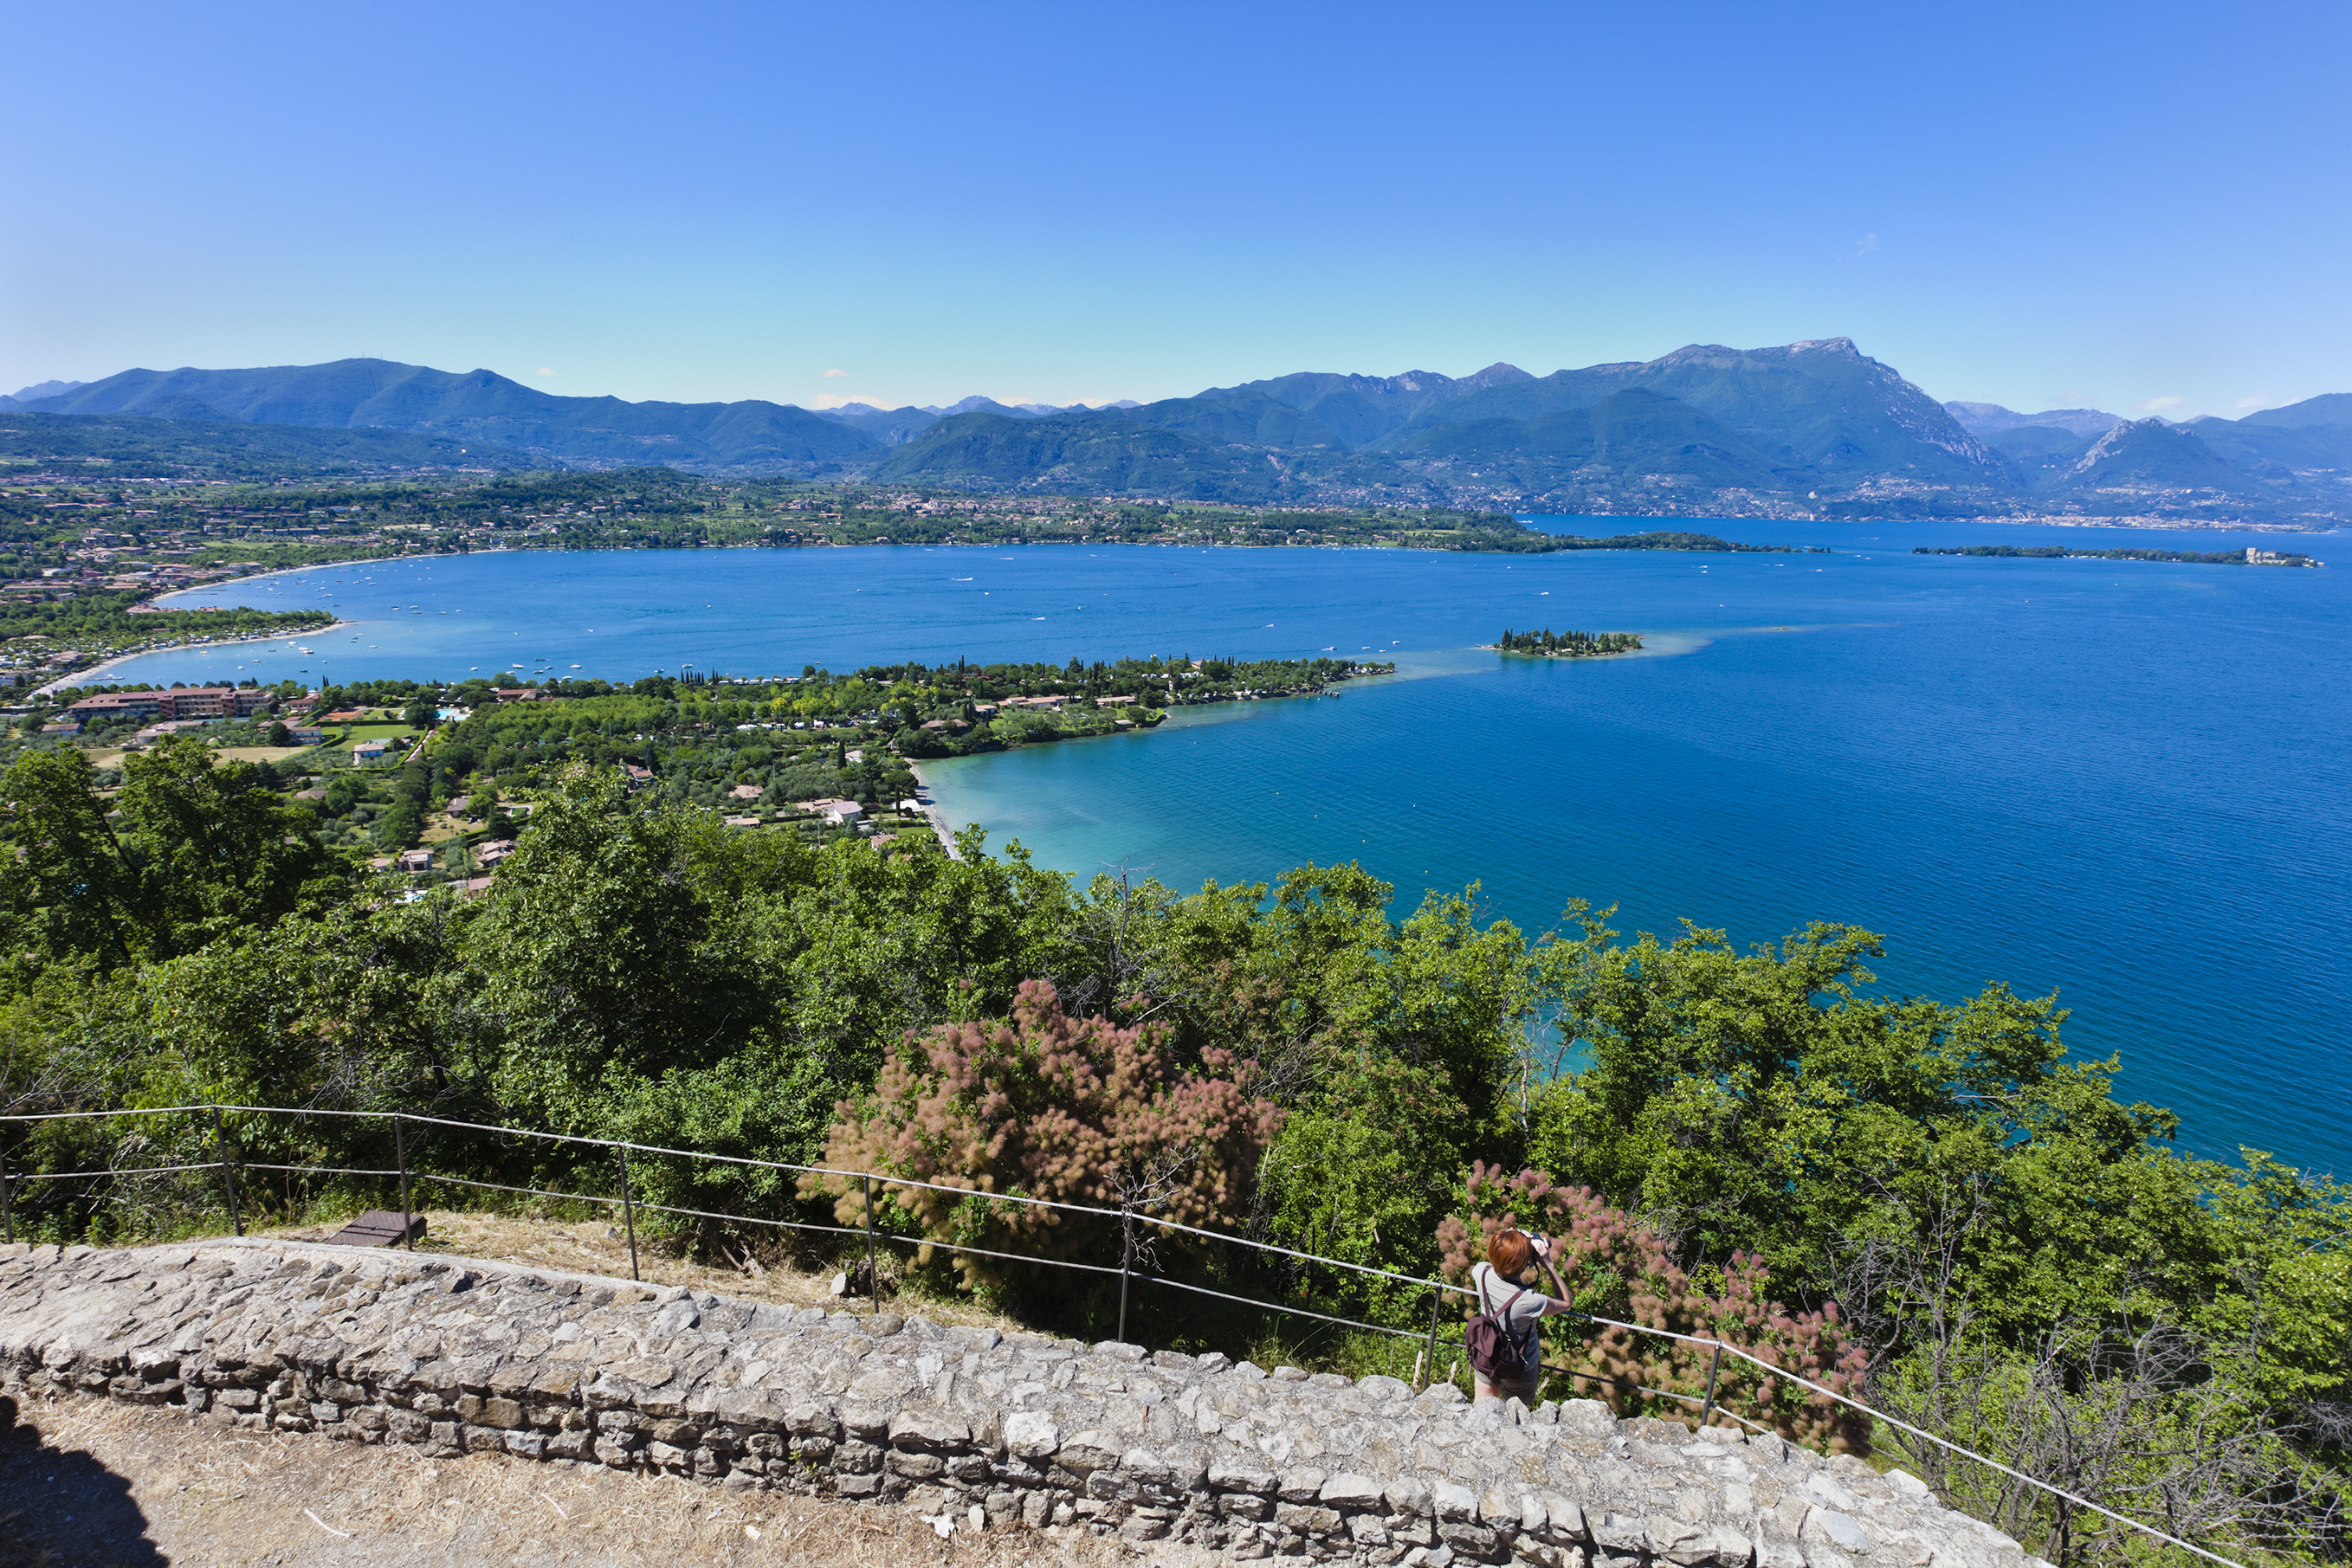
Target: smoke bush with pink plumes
x,y
1041,1105
1614,1266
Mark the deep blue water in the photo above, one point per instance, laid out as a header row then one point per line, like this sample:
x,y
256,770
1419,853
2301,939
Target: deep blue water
x,y
2123,781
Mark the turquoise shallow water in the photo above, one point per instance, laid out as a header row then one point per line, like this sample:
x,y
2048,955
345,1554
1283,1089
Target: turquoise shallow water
x,y
2123,781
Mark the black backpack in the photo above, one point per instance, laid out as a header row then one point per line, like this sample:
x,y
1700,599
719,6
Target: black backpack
x,y
1493,1349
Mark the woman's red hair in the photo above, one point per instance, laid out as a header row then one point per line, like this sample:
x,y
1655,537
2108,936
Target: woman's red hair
x,y
1510,1252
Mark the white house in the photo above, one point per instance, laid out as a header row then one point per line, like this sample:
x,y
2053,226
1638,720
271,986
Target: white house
x,y
838,813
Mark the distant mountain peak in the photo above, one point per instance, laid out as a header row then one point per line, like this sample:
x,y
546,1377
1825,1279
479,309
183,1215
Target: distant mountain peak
x,y
1497,374
45,389
2139,435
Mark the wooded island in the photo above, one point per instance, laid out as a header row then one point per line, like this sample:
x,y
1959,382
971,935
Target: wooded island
x,y
1550,644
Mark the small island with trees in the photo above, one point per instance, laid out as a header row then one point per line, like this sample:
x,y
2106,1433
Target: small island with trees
x,y
2249,556
1550,644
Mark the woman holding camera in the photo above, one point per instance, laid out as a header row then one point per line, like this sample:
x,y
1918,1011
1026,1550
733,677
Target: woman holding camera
x,y
1507,1285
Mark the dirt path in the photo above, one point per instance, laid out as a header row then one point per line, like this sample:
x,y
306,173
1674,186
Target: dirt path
x,y
108,1486
599,1247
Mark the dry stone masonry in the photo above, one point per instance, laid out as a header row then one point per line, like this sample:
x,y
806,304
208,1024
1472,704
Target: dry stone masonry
x,y
961,1424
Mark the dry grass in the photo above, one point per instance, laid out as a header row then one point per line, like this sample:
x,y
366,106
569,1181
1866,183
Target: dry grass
x,y
261,753
586,1248
101,1484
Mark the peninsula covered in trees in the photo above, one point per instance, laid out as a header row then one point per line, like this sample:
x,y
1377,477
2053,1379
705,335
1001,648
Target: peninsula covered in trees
x,y
2249,556
447,767
1550,644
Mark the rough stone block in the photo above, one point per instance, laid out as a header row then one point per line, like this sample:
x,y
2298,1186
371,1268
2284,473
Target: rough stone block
x,y
1030,1435
1563,1520
930,1430
1453,1504
1349,1492
1082,1452
1471,1540
1836,1529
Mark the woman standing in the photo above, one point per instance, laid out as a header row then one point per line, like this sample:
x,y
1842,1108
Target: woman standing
x,y
1506,1285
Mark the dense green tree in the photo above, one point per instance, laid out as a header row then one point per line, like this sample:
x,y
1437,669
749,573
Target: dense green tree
x,y
190,848
1770,1101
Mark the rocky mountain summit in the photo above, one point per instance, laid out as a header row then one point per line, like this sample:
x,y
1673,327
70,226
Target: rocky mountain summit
x,y
965,1425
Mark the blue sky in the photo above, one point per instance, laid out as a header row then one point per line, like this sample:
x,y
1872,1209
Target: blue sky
x,y
2040,205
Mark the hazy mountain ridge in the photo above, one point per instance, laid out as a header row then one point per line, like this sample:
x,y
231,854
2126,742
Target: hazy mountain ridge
x,y
1990,419
1811,427
482,404
24,396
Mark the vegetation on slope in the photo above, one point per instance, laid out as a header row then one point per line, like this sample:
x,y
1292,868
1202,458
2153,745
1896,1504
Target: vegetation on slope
x,y
2020,1258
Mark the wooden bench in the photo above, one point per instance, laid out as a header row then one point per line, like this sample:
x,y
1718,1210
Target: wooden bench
x,y
379,1227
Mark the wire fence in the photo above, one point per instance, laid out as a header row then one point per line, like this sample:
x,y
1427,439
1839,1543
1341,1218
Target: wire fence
x,y
1131,1268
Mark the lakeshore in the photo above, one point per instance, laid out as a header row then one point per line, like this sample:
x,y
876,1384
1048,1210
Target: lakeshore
x,y
95,675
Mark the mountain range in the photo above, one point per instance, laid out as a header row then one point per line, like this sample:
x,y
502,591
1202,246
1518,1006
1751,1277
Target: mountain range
x,y
1806,428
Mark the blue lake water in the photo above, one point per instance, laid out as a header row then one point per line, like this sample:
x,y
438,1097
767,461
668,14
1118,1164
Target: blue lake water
x,y
2123,781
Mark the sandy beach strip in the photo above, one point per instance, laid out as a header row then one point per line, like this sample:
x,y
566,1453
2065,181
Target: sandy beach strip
x,y
935,812
96,673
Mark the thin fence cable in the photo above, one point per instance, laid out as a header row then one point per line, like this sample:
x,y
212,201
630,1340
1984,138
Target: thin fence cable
x,y
92,1176
1272,1307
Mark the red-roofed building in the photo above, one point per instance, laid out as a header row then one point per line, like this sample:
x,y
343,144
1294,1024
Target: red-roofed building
x,y
183,702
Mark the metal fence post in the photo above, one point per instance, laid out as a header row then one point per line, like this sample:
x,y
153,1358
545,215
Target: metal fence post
x,y
229,1172
1436,1307
873,1269
1126,1264
7,1214
628,1211
1706,1411
400,1154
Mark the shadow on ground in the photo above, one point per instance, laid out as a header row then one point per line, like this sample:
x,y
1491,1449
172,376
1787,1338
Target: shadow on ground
x,y
61,1508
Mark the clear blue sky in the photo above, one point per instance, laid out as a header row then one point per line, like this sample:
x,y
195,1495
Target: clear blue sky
x,y
2046,205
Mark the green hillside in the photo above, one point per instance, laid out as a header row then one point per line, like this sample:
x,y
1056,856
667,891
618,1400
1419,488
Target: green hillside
x,y
1243,416
1822,406
2269,451
1359,410
1096,451
117,447
2152,453
1626,434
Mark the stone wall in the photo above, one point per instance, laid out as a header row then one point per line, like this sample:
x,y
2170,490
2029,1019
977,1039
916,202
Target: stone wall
x,y
963,1424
